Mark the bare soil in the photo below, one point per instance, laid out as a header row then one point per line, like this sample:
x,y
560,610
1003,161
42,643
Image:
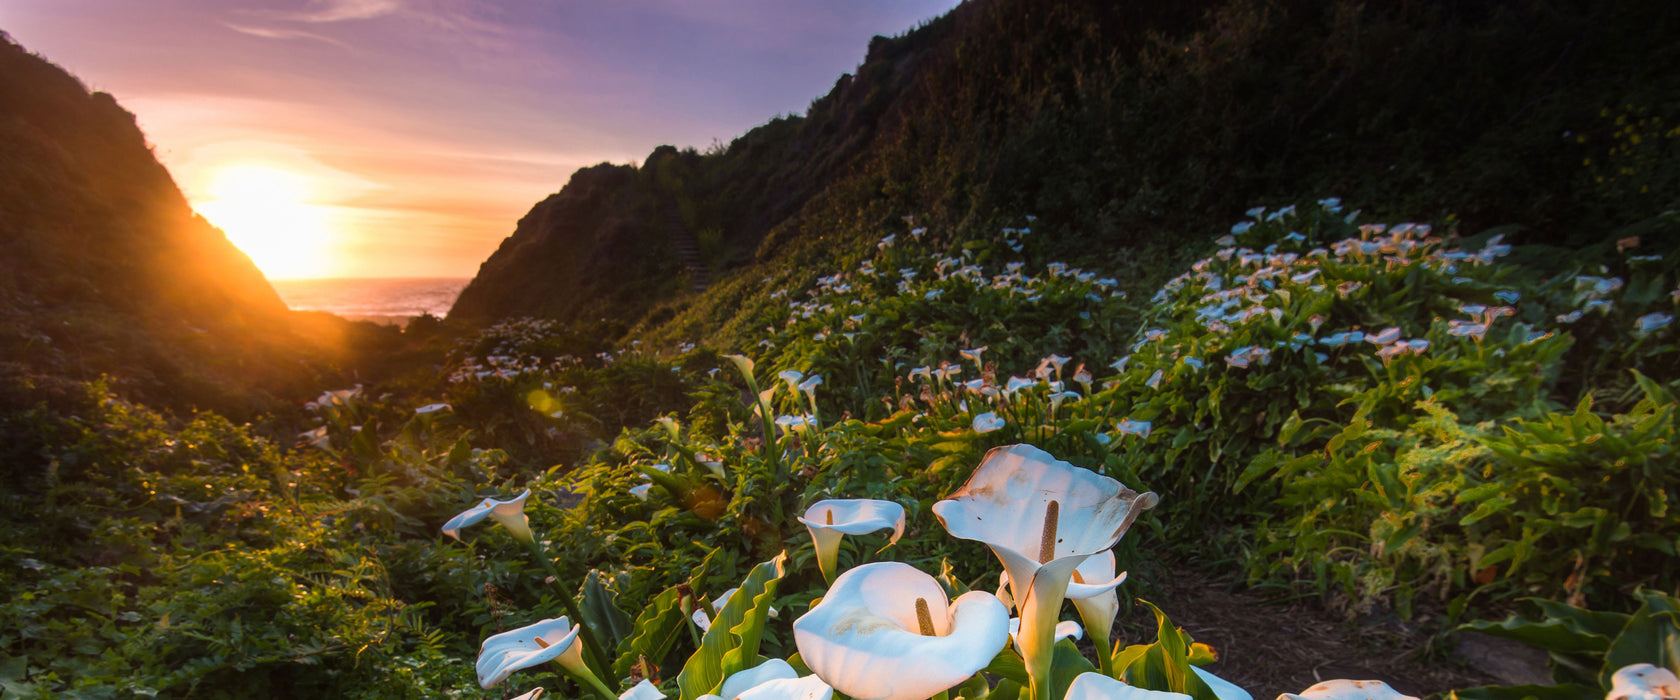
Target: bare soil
x,y
1269,647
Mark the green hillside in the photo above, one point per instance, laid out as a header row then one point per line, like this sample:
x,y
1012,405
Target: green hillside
x,y
105,271
1377,301
1125,127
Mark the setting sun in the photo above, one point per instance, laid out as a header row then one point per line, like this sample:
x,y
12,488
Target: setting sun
x,y
267,212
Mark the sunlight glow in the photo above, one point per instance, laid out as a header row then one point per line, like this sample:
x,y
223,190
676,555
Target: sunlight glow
x,y
265,211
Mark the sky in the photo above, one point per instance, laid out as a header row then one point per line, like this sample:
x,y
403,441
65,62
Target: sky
x,y
405,138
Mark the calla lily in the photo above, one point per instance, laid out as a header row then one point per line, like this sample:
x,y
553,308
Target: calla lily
x,y
1097,604
532,695
987,422
1096,686
431,408
1343,689
743,681
510,513
642,691
884,631
807,688
549,640
1066,629
1222,689
792,377
1643,682
1042,517
829,520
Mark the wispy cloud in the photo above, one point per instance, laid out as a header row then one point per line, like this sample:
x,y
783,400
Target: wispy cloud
x,y
282,33
320,11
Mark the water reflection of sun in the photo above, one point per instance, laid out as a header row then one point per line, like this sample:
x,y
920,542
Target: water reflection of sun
x,y
265,211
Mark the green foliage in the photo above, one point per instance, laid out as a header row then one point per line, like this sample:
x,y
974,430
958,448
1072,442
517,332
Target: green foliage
x,y
1587,647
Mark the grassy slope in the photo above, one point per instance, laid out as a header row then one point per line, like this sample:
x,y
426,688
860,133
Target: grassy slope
x,y
106,270
1126,126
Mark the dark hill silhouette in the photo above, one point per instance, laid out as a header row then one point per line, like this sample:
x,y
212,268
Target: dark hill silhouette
x,y
1129,128
106,271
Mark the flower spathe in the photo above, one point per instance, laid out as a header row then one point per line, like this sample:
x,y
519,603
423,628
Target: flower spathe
x,y
885,631
830,520
743,681
642,691
1066,629
1643,682
1343,689
806,688
1042,517
510,513
549,640
1096,686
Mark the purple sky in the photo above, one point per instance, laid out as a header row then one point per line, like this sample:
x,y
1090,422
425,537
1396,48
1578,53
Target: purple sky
x,y
370,138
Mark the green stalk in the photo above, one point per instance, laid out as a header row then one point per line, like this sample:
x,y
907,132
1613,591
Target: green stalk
x,y
594,682
593,656
1105,653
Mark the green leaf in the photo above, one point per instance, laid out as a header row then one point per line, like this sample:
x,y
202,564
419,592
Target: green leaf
x,y
599,608
1566,691
1165,665
1065,666
1551,635
1007,689
1008,664
1652,636
657,629
704,671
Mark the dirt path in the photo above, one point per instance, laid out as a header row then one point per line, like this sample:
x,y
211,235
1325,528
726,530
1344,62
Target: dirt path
x,y
1271,648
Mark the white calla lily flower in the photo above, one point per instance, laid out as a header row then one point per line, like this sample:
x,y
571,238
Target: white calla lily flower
x,y
510,513
1643,682
533,694
807,688
1066,629
987,422
830,520
642,691
1097,604
1343,689
1222,689
885,631
743,681
1096,686
532,645
792,377
1042,517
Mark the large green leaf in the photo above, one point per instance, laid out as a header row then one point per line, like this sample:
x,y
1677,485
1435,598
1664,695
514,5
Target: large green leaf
x,y
1165,665
704,671
1065,666
1554,635
1008,664
1566,691
1652,636
599,608
657,629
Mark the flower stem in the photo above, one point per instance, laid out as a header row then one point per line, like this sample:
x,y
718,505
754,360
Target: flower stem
x,y
594,682
594,658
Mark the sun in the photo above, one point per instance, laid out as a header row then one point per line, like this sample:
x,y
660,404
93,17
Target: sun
x,y
266,212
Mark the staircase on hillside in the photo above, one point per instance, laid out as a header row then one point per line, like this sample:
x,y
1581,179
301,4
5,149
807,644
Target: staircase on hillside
x,y
688,249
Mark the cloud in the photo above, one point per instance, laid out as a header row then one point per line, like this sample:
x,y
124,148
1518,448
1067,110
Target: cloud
x,y
319,11
279,33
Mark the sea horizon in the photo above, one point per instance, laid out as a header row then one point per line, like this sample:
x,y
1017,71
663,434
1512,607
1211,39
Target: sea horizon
x,y
379,299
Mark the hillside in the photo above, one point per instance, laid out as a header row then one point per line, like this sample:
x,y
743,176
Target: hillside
x,y
106,271
1125,126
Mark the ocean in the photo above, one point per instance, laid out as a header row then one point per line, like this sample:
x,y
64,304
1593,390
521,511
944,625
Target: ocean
x,y
391,300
